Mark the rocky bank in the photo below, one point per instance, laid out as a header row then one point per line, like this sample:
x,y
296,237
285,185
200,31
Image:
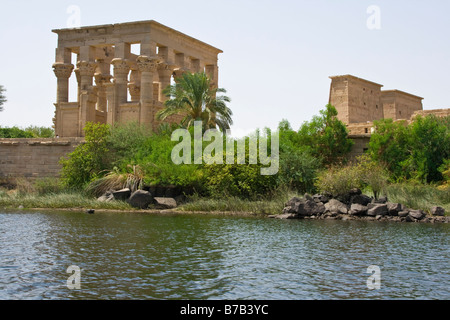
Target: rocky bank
x,y
356,206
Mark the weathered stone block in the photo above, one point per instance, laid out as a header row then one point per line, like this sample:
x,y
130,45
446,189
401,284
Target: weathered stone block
x,y
377,209
437,211
358,209
140,199
417,214
335,206
121,195
165,203
394,208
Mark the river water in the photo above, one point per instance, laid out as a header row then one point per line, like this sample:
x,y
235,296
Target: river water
x,y
143,256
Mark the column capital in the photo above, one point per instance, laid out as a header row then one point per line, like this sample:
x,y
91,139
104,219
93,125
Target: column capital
x,y
166,67
86,68
102,79
121,66
62,70
148,64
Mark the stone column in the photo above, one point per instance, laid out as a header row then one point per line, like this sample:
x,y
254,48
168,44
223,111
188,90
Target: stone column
x,y
147,66
134,86
62,72
87,108
110,97
121,70
165,72
87,71
101,80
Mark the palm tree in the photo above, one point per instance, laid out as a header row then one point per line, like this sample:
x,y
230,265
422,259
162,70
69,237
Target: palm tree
x,y
193,97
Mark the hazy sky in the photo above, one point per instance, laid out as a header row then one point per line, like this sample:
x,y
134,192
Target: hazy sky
x,y
277,56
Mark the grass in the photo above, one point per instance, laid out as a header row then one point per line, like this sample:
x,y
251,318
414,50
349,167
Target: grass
x,y
419,196
62,200
271,205
48,194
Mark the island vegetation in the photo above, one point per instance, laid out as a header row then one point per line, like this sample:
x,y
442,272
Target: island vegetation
x,y
407,162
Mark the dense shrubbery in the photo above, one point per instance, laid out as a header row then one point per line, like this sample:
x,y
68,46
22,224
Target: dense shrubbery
x,y
416,151
364,173
111,156
133,156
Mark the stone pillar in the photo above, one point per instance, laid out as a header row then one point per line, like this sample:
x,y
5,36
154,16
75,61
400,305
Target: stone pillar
x,y
62,72
110,97
88,99
101,80
87,108
87,71
134,86
147,66
165,72
121,69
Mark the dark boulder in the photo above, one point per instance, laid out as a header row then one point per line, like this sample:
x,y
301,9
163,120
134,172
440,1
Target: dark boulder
x,y
375,209
165,203
417,214
361,199
394,208
303,207
336,206
140,199
121,195
321,198
357,209
438,211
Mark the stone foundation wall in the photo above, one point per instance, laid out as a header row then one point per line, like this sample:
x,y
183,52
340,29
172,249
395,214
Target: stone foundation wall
x,y
34,158
361,144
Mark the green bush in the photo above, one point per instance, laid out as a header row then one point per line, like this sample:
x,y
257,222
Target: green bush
x,y
88,160
326,137
363,173
415,151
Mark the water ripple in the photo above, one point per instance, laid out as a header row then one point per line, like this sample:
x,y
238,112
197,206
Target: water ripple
x,y
129,256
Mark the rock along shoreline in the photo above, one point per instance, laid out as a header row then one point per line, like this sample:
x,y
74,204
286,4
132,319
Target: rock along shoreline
x,y
356,206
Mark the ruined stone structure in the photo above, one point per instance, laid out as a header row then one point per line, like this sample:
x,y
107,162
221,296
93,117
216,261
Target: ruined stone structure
x,y
34,158
359,102
104,55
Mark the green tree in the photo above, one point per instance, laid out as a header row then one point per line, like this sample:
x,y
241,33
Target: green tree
x,y
429,143
2,97
389,146
41,132
88,160
298,167
15,132
195,99
326,137
414,151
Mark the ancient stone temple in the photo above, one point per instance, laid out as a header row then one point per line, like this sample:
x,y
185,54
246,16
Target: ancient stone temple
x,y
116,85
